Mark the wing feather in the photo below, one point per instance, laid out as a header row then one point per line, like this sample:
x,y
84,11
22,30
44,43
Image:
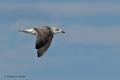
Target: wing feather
x,y
42,37
41,51
43,40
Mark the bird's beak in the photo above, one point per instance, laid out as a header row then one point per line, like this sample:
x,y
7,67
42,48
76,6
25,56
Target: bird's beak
x,y
62,31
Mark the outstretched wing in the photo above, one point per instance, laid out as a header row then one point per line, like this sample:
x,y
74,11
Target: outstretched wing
x,y
43,49
42,37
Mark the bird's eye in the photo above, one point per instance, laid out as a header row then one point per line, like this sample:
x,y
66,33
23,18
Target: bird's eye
x,y
57,29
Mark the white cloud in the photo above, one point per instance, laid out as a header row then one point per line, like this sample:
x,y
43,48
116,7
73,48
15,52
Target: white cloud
x,y
64,8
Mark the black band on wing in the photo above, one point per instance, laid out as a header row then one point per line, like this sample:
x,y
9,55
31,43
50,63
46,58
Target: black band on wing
x,y
42,38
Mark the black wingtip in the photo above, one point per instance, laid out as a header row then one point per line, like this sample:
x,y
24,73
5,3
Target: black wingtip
x,y
38,55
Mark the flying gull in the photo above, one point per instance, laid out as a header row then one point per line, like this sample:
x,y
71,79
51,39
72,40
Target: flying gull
x,y
44,36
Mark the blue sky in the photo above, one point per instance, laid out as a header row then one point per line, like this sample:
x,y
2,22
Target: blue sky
x,y
90,49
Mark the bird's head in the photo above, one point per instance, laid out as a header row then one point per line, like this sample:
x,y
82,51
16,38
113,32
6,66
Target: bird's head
x,y
56,30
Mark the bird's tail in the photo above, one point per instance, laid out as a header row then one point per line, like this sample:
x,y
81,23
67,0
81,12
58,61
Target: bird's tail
x,y
29,31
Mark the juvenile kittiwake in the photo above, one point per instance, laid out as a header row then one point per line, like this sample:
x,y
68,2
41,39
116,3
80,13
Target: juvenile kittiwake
x,y
44,36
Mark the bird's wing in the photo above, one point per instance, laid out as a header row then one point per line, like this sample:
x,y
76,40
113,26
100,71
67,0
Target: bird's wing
x,y
42,37
43,49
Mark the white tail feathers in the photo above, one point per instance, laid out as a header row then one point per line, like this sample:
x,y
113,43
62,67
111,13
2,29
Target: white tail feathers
x,y
29,31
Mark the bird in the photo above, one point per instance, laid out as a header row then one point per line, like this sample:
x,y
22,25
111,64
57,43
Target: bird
x,y
44,35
